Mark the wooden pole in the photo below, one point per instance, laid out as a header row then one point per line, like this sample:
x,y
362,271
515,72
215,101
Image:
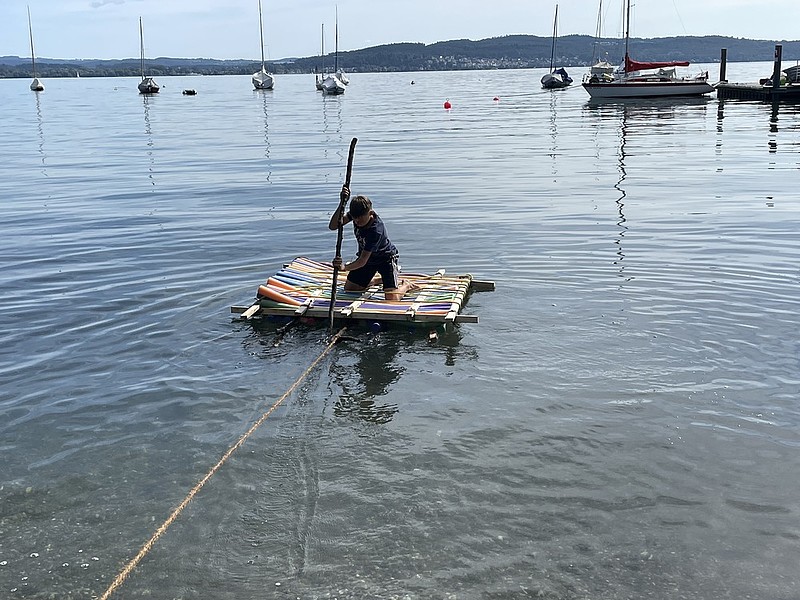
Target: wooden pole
x,y
342,201
723,65
776,71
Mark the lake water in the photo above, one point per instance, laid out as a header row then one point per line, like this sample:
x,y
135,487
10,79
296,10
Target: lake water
x,y
622,423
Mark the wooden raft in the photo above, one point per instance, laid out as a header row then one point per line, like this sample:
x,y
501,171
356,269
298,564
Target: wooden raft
x,y
303,288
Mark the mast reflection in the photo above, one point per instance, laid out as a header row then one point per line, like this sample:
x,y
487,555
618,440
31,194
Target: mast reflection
x,y
40,131
267,147
149,135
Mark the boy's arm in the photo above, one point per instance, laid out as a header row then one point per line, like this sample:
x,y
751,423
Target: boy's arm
x,y
334,224
344,196
357,263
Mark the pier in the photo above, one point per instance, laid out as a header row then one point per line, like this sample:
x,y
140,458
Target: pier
x,y
770,90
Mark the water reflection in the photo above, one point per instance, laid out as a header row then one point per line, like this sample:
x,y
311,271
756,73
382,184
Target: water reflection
x,y
620,201
149,134
781,117
554,133
266,137
368,379
40,129
367,365
332,130
642,117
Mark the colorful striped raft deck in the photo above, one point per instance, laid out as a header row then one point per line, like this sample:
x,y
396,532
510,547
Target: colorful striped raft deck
x,y
303,288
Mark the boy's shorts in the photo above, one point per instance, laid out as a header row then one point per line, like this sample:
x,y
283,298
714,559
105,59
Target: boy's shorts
x,y
389,274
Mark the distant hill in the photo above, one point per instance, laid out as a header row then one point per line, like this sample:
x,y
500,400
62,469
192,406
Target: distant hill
x,y
507,52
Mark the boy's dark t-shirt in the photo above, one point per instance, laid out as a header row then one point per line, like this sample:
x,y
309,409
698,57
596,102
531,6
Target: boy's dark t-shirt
x,y
372,238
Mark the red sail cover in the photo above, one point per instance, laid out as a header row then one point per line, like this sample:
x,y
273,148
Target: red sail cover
x,y
632,65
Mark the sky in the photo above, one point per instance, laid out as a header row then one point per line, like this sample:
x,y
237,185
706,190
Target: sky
x,y
228,29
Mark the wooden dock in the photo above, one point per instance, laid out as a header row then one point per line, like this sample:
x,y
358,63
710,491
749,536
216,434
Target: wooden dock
x,y
766,93
302,288
772,89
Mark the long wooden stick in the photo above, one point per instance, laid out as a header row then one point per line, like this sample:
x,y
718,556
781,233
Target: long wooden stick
x,y
342,202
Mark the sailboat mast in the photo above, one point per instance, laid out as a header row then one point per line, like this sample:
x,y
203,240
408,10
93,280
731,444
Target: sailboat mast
x,y
261,31
141,46
33,54
336,38
322,49
627,26
553,47
597,33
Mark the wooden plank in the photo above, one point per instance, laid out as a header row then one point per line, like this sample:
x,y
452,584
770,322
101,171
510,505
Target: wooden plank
x,y
303,308
412,310
455,307
481,286
322,313
348,310
250,312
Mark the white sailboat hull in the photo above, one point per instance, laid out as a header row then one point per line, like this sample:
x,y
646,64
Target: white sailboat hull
x,y
263,80
36,85
648,89
332,86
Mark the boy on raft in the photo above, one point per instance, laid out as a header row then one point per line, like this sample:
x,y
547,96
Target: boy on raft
x,y
376,253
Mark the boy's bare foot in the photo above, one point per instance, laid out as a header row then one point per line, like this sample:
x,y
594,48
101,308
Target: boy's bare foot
x,y
400,291
412,286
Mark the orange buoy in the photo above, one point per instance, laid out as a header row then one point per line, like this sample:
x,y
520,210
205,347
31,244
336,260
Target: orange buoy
x,y
447,104
280,284
275,295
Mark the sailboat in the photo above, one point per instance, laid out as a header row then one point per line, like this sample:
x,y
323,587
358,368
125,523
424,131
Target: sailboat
x,y
628,81
36,85
555,78
600,68
321,75
332,84
148,85
338,70
262,80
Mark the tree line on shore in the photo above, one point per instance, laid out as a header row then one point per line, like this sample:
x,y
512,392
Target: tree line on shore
x,y
507,52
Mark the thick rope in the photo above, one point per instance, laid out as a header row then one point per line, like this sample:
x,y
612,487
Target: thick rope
x,y
123,575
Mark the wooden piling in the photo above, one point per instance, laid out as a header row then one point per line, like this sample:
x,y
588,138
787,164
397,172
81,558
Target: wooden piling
x,y
776,71
723,65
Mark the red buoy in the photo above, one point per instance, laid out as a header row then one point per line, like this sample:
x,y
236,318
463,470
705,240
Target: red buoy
x,y
447,104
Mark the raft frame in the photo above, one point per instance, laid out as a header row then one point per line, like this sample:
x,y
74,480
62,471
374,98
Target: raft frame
x,y
302,288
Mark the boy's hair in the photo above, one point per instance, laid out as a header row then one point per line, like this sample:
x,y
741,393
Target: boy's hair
x,y
360,205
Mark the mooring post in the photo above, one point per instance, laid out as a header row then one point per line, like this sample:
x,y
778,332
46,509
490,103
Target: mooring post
x,y
776,72
723,65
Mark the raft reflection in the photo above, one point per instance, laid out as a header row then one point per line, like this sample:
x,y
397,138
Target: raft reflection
x,y
367,373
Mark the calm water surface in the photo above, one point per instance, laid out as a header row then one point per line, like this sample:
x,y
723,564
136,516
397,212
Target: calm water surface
x,y
622,423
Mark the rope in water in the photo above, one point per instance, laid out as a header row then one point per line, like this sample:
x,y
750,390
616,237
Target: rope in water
x,y
123,575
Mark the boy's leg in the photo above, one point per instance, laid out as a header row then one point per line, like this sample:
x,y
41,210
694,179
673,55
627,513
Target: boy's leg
x,y
393,287
359,279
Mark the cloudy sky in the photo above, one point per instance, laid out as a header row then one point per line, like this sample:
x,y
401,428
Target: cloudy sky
x,y
229,28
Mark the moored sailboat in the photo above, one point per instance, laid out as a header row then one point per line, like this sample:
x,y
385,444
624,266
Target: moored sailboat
x,y
148,85
36,85
601,68
659,80
557,78
262,80
332,84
